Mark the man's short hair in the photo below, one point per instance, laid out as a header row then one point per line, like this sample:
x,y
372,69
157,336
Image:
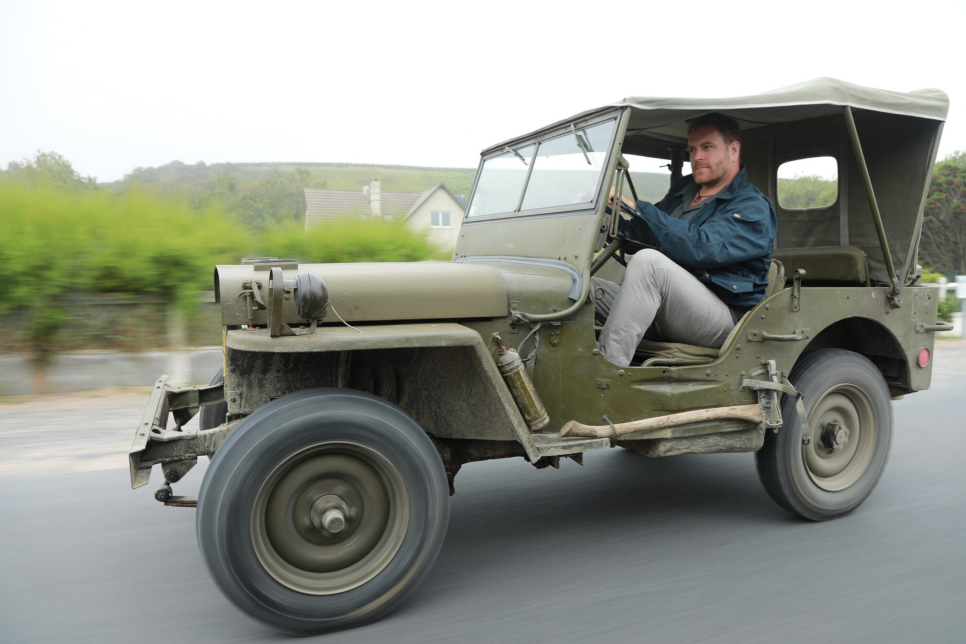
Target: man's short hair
x,y
728,128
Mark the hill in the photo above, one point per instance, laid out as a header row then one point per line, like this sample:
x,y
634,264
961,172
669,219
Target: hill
x,y
336,176
196,179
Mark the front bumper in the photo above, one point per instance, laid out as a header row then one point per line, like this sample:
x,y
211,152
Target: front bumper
x,y
174,449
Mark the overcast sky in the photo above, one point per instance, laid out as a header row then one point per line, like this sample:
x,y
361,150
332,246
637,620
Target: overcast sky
x,y
112,86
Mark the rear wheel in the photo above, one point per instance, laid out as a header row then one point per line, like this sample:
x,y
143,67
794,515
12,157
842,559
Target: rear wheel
x,y
849,412
322,510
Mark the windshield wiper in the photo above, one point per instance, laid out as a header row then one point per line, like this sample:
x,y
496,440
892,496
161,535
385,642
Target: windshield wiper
x,y
516,154
581,144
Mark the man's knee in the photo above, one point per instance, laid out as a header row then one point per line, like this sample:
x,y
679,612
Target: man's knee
x,y
649,256
645,261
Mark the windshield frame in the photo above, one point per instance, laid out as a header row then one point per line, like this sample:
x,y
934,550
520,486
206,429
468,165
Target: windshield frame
x,y
566,209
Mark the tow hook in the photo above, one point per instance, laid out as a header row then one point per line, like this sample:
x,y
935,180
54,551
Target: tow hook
x,y
165,495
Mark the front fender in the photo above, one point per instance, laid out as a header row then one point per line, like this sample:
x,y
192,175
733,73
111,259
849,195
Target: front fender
x,y
285,356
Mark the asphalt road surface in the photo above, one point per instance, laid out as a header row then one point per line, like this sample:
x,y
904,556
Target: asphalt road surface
x,y
624,549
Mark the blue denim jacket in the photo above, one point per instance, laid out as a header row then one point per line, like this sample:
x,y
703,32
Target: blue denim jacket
x,y
726,245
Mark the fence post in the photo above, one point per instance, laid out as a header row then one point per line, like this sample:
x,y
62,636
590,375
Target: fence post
x,y
178,364
961,295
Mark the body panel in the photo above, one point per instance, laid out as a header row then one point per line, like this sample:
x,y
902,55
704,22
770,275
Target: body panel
x,y
576,382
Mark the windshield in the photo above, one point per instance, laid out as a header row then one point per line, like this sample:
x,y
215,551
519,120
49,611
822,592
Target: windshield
x,y
566,170
501,182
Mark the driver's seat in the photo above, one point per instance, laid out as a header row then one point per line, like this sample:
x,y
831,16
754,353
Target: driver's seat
x,y
677,353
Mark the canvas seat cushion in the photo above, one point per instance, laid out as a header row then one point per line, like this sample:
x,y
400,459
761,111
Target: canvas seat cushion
x,y
839,264
674,350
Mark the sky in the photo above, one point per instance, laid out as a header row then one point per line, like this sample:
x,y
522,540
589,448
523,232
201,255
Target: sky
x,y
113,86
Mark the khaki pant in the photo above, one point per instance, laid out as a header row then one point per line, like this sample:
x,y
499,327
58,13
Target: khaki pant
x,y
661,299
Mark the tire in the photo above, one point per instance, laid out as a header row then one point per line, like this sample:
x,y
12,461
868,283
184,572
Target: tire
x,y
280,476
819,481
212,416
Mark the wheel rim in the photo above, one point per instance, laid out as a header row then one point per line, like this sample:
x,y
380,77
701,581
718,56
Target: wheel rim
x,y
844,435
329,518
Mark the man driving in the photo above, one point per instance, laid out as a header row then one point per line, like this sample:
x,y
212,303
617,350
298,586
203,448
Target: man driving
x,y
710,237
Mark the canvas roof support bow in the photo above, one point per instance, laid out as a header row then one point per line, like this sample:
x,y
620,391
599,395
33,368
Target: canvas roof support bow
x,y
873,204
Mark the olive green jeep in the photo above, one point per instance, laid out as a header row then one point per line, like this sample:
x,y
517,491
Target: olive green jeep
x,y
352,393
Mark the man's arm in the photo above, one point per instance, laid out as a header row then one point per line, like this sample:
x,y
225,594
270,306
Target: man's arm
x,y
747,232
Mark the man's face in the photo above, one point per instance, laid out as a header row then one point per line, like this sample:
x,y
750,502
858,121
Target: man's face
x,y
711,158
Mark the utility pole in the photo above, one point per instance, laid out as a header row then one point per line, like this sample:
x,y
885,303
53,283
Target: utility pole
x,y
961,295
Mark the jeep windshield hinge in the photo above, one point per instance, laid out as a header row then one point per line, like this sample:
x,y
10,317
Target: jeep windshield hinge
x,y
583,145
797,289
516,154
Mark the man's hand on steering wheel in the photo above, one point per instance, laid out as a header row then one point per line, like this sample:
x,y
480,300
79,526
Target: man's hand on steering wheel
x,y
626,203
626,246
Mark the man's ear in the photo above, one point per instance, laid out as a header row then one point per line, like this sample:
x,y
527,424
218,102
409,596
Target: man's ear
x,y
735,150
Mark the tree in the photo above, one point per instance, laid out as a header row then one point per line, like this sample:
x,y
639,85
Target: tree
x,y
49,170
944,221
277,199
807,191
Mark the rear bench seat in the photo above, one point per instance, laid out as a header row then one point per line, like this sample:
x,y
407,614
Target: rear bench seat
x,y
827,264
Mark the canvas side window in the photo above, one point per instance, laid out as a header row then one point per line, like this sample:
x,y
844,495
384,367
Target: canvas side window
x,y
808,183
439,219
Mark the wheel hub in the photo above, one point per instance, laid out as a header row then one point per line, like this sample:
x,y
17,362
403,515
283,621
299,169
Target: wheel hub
x,y
835,435
328,513
329,517
847,437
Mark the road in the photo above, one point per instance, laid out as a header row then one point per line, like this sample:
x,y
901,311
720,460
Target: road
x,y
624,549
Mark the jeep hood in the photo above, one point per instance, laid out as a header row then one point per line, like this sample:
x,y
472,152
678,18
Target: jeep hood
x,y
374,292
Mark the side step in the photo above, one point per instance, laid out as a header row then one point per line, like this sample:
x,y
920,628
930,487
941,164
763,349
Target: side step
x,y
554,445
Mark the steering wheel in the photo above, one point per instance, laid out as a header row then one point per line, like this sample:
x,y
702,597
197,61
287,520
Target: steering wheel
x,y
618,246
626,247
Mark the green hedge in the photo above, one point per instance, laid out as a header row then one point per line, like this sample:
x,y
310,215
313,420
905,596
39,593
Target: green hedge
x,y
55,244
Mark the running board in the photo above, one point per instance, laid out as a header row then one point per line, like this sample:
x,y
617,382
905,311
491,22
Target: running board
x,y
553,445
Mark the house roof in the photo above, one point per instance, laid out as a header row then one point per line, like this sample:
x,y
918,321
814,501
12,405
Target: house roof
x,y
332,204
337,204
342,204
426,194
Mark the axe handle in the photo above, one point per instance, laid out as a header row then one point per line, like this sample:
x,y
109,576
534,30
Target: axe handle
x,y
750,413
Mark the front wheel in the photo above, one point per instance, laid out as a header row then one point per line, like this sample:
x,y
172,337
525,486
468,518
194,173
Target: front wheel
x,y
324,509
849,412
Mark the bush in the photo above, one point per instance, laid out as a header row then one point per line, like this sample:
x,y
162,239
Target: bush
x,y
947,307
55,244
348,241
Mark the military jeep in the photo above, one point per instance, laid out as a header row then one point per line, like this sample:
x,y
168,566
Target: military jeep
x,y
351,394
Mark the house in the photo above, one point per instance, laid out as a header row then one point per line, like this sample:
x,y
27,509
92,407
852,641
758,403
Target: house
x,y
436,211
